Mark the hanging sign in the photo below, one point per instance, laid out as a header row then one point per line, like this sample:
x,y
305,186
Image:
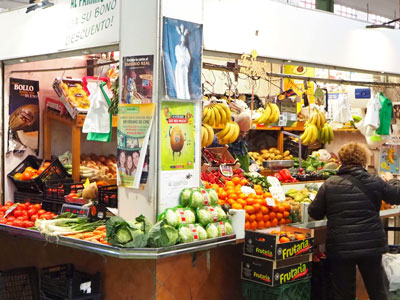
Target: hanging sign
x,y
24,115
134,125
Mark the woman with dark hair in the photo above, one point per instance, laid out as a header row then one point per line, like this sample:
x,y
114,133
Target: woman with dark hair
x,y
351,202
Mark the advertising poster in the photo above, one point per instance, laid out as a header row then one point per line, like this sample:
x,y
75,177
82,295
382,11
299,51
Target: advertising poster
x,y
24,115
137,81
134,124
298,85
177,136
182,50
389,159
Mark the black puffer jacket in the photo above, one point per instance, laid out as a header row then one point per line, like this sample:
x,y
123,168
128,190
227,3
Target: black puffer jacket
x,y
354,226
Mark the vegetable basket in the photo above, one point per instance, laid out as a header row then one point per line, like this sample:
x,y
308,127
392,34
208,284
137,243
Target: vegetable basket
x,y
55,171
291,291
108,195
64,282
21,284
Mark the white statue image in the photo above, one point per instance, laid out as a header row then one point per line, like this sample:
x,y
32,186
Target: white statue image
x,y
182,65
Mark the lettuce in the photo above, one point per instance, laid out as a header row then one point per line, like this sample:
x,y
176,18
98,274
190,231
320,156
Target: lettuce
x,y
177,216
185,196
212,231
201,232
213,197
162,235
172,218
225,228
125,234
209,214
196,199
185,234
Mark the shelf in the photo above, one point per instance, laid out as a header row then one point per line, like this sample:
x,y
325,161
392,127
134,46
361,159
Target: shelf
x,y
122,253
76,128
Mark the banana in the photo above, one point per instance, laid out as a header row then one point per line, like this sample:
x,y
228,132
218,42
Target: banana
x,y
305,137
315,134
210,135
323,118
227,138
330,131
275,115
236,130
222,113
217,116
206,115
211,122
319,120
266,115
224,131
227,112
204,134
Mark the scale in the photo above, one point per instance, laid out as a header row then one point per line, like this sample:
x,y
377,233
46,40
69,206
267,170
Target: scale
x,y
80,211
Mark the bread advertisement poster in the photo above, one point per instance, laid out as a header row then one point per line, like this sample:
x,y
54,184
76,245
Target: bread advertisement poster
x,y
177,136
24,115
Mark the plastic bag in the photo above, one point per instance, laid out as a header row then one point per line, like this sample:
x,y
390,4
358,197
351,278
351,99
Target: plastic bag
x,y
98,118
342,113
391,265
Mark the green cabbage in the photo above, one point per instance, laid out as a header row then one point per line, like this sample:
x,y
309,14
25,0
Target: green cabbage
x,y
185,196
162,235
220,213
212,230
196,199
172,217
190,217
213,197
225,227
210,214
201,232
185,234
177,216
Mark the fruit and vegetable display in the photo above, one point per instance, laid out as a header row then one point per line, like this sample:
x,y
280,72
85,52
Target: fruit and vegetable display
x,y
285,237
31,173
270,115
74,93
92,166
317,129
257,179
229,133
318,166
285,176
216,159
24,214
215,178
270,154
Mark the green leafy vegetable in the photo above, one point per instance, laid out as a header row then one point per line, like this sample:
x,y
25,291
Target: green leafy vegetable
x,y
201,232
213,197
172,218
209,214
185,234
185,196
121,233
212,230
162,235
196,199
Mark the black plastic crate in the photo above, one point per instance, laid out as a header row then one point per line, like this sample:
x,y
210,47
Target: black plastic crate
x,y
19,284
47,205
44,296
293,147
299,290
64,282
108,195
56,191
55,171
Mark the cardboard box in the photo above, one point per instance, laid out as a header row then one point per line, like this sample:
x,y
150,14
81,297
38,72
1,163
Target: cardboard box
x,y
55,105
274,273
265,245
220,151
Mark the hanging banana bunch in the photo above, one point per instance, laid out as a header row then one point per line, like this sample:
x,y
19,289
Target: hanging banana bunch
x,y
270,116
229,134
207,135
216,114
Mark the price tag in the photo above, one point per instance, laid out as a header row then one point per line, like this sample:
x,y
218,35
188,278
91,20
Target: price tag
x,y
276,189
226,170
282,120
11,209
270,201
77,210
247,190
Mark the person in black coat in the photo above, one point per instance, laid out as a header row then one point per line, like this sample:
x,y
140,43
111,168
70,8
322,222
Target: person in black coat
x,y
351,202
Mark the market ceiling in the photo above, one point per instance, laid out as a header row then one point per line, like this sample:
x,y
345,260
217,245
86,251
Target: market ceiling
x,y
12,4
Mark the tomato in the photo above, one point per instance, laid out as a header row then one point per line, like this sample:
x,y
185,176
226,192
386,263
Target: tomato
x,y
28,224
48,216
18,176
41,212
22,206
29,169
10,218
34,218
9,203
23,218
4,209
46,164
32,212
3,221
17,213
9,223
40,171
1,214
37,207
26,176
28,206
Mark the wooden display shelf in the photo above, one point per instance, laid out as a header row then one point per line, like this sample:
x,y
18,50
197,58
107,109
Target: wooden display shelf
x,y
75,125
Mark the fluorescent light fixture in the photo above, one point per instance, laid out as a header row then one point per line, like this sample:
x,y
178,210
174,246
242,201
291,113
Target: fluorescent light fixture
x,y
22,60
42,4
383,25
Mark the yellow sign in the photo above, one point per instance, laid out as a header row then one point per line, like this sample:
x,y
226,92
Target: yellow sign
x,y
298,85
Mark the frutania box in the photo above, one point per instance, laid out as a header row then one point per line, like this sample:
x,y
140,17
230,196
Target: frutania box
x,y
265,245
274,273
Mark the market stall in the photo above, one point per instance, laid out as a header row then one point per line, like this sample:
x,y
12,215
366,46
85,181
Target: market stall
x,y
157,179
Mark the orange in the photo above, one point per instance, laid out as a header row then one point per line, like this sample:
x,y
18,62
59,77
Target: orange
x,y
272,215
231,201
279,216
265,218
267,195
29,169
26,176
281,208
250,201
257,207
254,225
249,209
215,186
221,202
260,224
236,206
236,180
259,216
282,222
257,187
46,164
222,195
275,208
233,196
288,221
284,239
286,214
287,207
243,182
274,222
264,210
260,201
242,196
206,183
259,192
247,217
267,224
229,183
18,176
242,202
247,226
252,218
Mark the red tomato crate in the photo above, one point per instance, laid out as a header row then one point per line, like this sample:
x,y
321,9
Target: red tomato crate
x,y
47,205
21,284
64,282
55,171
108,195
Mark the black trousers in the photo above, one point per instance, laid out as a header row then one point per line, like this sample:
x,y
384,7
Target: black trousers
x,y
343,278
